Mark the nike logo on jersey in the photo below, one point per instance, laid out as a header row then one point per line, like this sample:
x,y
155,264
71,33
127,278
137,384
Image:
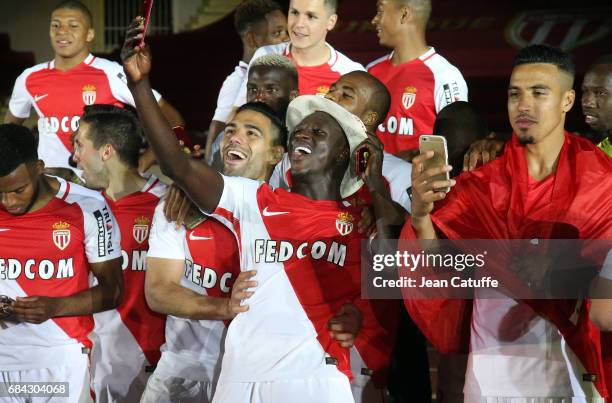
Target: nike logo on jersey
x,y
39,97
267,213
4,229
197,238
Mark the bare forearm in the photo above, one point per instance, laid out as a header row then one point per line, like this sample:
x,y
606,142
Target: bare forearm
x,y
203,184
176,300
390,216
96,299
424,228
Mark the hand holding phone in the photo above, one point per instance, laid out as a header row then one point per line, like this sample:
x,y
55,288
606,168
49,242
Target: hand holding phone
x,y
437,144
361,161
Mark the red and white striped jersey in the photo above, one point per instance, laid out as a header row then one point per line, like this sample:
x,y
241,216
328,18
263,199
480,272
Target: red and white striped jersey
x,y
193,348
127,339
396,172
60,96
307,256
419,90
47,253
312,80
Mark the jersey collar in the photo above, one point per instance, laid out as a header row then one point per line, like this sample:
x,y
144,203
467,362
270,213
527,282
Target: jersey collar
x,y
428,53
88,61
333,54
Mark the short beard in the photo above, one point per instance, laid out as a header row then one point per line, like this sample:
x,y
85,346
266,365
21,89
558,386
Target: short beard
x,y
526,140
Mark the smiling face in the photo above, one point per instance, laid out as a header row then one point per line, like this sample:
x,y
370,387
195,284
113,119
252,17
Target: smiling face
x,y
387,21
308,23
318,145
247,147
70,33
597,98
539,96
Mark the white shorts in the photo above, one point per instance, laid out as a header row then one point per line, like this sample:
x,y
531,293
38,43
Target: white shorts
x,y
363,388
169,389
120,393
75,372
314,390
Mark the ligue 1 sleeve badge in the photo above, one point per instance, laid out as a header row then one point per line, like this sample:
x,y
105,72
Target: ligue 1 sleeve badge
x,y
61,234
140,230
408,97
89,94
344,223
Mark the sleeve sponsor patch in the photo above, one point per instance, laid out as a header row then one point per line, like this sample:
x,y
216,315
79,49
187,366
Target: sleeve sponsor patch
x,y
105,227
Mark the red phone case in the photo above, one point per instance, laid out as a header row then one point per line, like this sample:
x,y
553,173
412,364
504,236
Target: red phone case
x,y
181,134
147,6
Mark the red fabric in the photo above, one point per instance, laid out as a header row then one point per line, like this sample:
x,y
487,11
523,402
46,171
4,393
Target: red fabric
x,y
579,207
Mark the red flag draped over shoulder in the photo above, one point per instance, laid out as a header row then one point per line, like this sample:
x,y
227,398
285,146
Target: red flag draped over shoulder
x,y
490,203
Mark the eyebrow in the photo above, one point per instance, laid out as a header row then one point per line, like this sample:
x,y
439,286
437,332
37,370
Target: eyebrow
x,y
250,126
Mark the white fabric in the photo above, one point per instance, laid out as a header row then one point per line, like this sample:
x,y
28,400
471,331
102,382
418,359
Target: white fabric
x,y
74,369
313,390
170,389
229,92
516,353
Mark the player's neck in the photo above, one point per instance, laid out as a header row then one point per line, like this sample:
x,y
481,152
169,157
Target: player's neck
x,y
47,189
317,187
542,157
67,63
315,55
409,48
123,182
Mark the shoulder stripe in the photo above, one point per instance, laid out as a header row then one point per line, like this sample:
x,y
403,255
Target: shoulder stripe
x,y
151,186
66,192
428,57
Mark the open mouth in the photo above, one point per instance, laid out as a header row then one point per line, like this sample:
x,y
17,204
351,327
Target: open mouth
x,y
301,151
590,118
63,43
234,156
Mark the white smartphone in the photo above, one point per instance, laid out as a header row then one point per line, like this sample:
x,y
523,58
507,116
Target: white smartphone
x,y
437,144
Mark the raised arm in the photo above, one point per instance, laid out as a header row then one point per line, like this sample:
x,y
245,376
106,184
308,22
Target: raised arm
x,y
203,184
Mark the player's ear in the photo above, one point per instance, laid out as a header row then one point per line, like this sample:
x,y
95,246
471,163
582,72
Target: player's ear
x,y
276,155
106,152
568,100
91,34
406,14
370,118
39,167
250,40
331,22
293,94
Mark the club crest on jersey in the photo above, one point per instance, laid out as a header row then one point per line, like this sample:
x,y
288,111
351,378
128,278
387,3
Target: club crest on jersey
x,y
344,223
140,230
61,234
89,94
409,97
322,90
